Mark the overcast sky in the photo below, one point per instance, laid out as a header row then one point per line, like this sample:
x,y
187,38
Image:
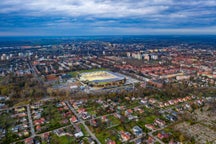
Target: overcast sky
x,y
106,17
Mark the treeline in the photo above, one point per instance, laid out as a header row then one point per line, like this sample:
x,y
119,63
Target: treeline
x,y
21,87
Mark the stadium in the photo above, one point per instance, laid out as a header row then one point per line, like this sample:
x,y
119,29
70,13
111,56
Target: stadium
x,y
101,79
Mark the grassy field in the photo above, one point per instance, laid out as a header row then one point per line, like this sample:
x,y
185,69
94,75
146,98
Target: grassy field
x,y
111,134
65,139
75,73
24,102
83,130
114,119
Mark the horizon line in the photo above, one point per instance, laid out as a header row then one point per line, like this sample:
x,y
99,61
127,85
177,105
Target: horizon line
x,y
108,35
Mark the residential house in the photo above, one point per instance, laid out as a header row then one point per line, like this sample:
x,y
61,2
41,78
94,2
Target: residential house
x,y
162,135
160,122
125,136
137,131
150,126
73,119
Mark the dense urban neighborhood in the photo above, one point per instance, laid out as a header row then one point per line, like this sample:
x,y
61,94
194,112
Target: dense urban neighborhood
x,y
108,91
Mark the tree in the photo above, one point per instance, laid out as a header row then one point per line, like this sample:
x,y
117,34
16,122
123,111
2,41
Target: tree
x,y
4,90
5,122
181,138
55,140
50,111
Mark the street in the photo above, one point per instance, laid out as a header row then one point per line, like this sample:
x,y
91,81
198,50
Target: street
x,y
30,121
81,121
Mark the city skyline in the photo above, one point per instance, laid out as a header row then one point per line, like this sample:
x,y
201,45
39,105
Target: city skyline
x,y
106,17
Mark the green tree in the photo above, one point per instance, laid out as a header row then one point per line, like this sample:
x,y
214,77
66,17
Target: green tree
x,y
55,140
5,122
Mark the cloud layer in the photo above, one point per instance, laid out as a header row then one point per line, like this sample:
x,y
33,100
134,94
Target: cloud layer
x,y
89,17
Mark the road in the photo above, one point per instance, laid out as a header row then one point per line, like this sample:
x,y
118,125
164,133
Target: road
x,y
30,121
150,134
98,117
41,82
81,121
133,140
157,139
35,74
42,134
